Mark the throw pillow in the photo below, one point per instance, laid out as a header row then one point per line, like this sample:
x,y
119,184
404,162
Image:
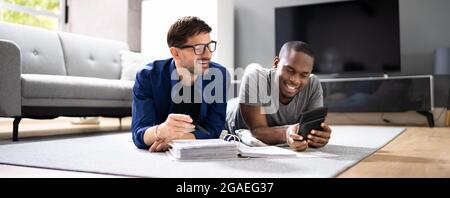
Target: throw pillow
x,y
131,63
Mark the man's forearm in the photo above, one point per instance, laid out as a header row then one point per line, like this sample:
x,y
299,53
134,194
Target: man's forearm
x,y
270,135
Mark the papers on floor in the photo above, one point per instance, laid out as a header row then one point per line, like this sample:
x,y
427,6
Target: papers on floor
x,y
265,151
221,149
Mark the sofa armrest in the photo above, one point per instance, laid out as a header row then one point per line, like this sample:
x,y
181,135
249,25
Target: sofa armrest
x,y
10,82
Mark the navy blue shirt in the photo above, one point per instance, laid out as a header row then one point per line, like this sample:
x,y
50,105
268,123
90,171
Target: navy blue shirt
x,y
152,101
191,107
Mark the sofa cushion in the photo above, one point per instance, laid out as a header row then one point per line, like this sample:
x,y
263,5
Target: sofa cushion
x,y
91,57
40,49
131,63
71,87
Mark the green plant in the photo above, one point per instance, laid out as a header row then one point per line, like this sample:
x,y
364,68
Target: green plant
x,y
30,19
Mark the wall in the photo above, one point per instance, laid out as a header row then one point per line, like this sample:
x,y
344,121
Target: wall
x,y
218,14
424,26
134,24
111,19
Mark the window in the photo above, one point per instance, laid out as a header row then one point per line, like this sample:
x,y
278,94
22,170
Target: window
x,y
48,14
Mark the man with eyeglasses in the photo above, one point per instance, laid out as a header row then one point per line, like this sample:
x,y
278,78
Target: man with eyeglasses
x,y
183,97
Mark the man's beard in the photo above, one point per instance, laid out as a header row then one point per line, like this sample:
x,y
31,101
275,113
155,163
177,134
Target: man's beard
x,y
197,68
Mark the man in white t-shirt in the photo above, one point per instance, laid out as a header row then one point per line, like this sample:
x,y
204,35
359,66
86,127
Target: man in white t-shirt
x,y
271,100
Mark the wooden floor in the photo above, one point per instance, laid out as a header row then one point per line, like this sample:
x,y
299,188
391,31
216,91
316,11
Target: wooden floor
x,y
418,152
60,126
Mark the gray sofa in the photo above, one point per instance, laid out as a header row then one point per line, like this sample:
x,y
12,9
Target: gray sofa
x,y
45,74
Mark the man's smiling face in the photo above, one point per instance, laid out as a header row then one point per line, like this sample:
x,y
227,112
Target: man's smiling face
x,y
295,70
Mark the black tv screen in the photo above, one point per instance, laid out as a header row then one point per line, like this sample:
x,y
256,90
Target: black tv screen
x,y
347,37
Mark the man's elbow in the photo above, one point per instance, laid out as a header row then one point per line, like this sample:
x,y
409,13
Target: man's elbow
x,y
139,144
138,140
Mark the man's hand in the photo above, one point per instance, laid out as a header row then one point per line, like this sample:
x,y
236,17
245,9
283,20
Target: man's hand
x,y
294,140
159,145
175,127
319,139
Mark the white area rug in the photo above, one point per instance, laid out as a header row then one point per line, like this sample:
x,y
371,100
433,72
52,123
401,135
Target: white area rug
x,y
116,154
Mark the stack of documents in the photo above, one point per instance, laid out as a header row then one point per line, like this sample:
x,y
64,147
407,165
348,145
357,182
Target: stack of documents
x,y
203,149
221,149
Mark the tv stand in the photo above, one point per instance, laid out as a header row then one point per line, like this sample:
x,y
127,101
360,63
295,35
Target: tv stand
x,y
352,75
429,116
380,94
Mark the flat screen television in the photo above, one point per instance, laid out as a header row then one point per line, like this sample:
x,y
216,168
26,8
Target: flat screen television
x,y
349,37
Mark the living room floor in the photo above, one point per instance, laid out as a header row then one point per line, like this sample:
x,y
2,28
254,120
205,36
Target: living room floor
x,y
418,152
57,126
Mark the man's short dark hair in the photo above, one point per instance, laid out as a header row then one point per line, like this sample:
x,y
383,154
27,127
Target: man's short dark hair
x,y
184,28
297,46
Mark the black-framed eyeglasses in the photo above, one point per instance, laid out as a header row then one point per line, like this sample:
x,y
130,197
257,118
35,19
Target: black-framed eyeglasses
x,y
199,49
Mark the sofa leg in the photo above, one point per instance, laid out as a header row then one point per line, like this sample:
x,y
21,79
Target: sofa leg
x,y
16,129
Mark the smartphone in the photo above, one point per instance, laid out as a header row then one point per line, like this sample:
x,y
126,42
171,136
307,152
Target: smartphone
x,y
310,120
